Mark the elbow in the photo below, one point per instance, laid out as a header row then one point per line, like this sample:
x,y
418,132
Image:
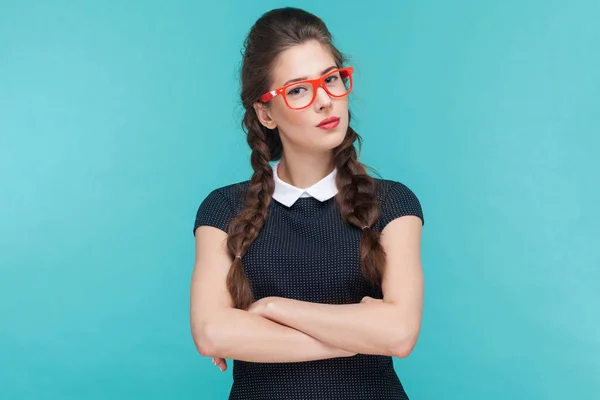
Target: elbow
x,y
203,339
404,343
403,349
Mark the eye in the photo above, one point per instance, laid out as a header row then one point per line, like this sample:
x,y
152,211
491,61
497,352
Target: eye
x,y
295,91
332,78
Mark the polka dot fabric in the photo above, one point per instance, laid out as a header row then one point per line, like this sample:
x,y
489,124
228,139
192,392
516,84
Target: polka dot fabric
x,y
308,252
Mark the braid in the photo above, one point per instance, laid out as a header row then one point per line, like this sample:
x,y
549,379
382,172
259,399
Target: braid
x,y
275,32
358,206
245,228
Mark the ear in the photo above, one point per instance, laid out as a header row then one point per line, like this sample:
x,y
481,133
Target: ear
x,y
264,115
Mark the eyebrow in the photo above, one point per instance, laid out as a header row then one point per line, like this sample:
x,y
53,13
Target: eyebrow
x,y
306,77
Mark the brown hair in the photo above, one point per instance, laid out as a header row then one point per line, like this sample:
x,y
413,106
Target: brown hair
x,y
276,31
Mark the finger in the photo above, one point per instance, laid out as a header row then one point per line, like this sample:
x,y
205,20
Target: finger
x,y
220,362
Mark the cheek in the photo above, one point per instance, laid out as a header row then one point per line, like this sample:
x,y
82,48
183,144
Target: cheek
x,y
292,119
300,126
296,124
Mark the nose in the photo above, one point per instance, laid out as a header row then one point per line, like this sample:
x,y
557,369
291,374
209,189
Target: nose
x,y
322,100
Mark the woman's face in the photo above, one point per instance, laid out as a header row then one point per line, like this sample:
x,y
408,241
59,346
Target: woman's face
x,y
299,129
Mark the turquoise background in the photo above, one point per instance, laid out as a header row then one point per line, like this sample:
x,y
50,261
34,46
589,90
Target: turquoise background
x,y
118,118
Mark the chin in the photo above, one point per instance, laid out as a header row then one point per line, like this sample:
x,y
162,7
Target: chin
x,y
320,140
331,140
338,138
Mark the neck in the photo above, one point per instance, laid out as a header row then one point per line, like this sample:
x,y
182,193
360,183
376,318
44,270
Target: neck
x,y
304,170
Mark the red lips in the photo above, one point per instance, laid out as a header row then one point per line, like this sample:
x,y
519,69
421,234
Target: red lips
x,y
328,121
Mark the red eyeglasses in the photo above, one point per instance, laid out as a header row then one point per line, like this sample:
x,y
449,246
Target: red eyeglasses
x,y
299,95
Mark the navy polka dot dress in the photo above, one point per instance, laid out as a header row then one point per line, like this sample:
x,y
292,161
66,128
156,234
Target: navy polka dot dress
x,y
307,252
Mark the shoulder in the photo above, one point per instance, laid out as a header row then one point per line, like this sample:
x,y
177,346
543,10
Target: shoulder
x,y
221,205
386,188
234,194
396,200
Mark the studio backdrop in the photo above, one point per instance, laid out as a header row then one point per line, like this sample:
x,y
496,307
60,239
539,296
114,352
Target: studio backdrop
x,y
118,118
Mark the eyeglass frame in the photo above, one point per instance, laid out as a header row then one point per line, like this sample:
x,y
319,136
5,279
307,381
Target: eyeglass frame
x,y
316,83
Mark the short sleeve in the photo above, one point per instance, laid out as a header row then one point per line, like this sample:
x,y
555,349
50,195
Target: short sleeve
x,y
215,211
399,201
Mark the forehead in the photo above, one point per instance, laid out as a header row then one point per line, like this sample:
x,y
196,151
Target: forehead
x,y
304,60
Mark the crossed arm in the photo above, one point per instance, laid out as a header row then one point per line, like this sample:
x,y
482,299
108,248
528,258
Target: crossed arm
x,y
277,329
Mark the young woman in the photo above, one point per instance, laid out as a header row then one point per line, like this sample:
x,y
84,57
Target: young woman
x,y
309,274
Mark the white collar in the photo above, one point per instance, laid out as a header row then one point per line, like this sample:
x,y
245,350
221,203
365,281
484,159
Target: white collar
x,y
287,194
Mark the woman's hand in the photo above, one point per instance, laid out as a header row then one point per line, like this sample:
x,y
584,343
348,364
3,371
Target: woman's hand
x,y
220,362
262,306
368,299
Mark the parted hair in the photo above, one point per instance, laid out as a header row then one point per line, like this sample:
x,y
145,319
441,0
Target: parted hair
x,y
274,32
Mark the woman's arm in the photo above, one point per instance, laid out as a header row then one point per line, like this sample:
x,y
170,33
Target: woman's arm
x,y
240,335
219,330
388,327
